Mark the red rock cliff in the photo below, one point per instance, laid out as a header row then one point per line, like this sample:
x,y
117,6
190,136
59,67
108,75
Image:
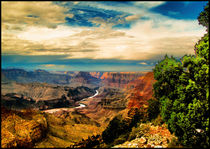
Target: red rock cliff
x,y
119,79
140,91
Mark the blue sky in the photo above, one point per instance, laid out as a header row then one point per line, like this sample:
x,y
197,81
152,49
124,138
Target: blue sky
x,y
97,35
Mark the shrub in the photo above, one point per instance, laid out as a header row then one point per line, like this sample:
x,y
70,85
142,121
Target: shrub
x,y
134,132
153,109
182,88
121,139
116,127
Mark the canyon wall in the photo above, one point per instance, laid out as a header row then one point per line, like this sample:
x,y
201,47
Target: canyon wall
x,y
140,91
22,76
42,95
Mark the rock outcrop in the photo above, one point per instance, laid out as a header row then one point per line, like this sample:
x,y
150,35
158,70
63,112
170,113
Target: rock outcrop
x,y
42,95
21,129
119,79
22,76
84,79
140,91
96,74
150,136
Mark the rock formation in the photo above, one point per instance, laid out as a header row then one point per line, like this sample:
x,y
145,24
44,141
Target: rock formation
x,y
22,76
42,95
140,90
21,129
119,79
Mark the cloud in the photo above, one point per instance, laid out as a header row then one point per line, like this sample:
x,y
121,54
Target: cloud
x,y
143,63
54,67
149,4
76,2
143,41
39,34
176,46
132,17
33,13
131,8
49,65
45,41
146,39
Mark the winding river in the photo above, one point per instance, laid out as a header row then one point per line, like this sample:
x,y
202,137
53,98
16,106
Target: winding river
x,y
81,105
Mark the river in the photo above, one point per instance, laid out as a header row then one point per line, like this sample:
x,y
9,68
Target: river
x,y
81,105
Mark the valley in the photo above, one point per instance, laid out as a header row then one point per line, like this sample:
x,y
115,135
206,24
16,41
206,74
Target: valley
x,y
96,96
81,111
81,105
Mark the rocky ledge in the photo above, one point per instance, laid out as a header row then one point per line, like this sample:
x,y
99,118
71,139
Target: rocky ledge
x,y
152,137
21,128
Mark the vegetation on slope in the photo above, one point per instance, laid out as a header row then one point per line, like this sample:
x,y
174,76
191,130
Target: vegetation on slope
x,y
183,91
132,131
66,128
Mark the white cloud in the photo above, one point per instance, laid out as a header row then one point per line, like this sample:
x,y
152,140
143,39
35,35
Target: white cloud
x,y
147,39
132,17
55,67
35,33
149,4
49,65
33,13
142,42
143,63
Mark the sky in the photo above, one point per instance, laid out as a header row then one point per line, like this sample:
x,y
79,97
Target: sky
x,y
97,35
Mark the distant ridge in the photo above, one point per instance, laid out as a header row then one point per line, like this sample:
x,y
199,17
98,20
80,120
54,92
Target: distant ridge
x,y
39,75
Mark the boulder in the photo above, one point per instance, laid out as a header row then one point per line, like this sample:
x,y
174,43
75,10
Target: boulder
x,y
143,140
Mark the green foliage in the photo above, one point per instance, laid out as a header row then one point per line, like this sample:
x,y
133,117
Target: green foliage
x,y
153,109
133,133
183,90
203,18
158,121
202,48
119,128
137,115
91,142
174,143
121,139
137,131
116,127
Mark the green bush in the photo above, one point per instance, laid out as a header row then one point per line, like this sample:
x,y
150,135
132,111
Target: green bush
x,y
182,88
158,121
121,139
203,18
153,109
122,126
116,127
174,143
134,132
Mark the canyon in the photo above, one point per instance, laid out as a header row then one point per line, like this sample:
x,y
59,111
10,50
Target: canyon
x,y
96,96
69,78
